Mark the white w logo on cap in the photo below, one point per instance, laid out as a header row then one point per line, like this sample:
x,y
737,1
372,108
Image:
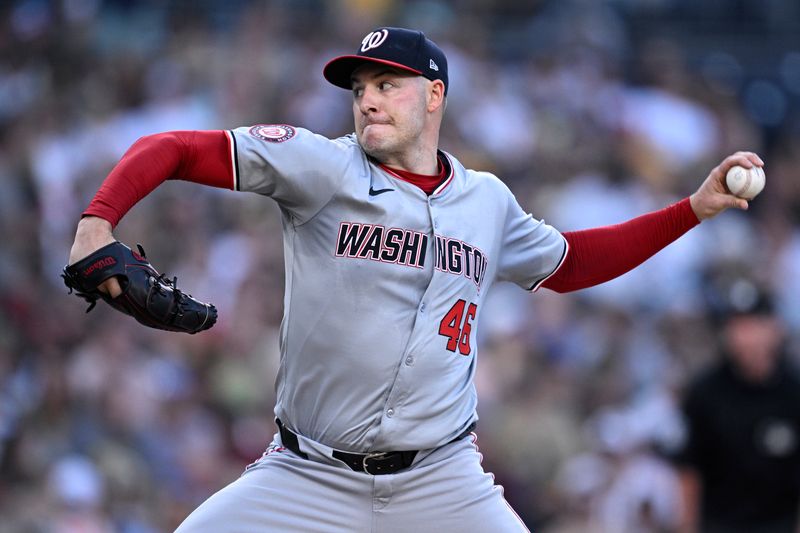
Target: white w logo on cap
x,y
374,39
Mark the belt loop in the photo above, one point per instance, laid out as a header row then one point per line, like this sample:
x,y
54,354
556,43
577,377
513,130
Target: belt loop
x,y
289,439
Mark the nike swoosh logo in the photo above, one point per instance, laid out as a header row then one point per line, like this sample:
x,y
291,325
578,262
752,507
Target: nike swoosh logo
x,y
373,192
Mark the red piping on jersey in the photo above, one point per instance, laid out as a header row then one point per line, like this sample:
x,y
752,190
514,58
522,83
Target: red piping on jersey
x,y
444,185
564,256
234,161
602,254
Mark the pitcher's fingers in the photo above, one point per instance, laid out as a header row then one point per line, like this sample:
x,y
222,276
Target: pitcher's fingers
x,y
752,157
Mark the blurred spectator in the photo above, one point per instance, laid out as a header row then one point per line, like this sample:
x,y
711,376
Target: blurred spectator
x,y
624,485
76,489
593,111
740,464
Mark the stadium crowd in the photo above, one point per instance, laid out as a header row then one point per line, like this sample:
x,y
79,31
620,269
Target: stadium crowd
x,y
592,112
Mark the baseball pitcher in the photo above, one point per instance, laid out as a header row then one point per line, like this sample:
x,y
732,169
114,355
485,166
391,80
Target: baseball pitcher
x,y
391,247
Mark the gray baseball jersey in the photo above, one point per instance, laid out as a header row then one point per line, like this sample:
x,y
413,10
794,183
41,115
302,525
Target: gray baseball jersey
x,y
384,286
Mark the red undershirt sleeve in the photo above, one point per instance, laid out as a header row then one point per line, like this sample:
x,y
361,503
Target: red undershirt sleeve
x,y
601,254
200,156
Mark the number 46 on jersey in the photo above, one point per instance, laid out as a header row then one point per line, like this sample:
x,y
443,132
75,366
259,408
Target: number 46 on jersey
x,y
456,325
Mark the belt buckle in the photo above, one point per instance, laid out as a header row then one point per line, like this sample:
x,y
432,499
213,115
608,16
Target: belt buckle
x,y
372,455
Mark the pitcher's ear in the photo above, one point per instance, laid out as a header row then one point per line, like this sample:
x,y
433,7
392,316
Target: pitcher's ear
x,y
435,95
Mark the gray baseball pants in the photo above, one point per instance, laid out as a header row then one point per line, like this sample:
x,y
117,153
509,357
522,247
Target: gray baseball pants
x,y
444,490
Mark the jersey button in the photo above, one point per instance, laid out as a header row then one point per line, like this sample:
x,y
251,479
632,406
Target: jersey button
x,y
422,308
390,412
409,360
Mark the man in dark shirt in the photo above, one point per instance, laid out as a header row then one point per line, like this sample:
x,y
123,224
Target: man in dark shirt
x,y
740,466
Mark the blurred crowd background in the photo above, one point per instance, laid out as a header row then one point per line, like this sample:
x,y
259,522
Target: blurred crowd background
x,y
592,111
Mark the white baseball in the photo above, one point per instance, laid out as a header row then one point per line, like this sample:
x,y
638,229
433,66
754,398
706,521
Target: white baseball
x,y
745,182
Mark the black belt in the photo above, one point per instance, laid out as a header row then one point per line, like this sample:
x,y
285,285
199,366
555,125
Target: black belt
x,y
375,463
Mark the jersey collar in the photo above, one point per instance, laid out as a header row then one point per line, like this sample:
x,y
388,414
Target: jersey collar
x,y
445,159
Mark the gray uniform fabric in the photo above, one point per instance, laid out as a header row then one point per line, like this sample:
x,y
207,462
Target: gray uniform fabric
x,y
383,297
445,490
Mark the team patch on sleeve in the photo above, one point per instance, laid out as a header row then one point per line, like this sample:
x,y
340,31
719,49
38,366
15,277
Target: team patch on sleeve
x,y
274,133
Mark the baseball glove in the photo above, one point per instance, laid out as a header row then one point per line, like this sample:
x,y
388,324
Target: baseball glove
x,y
147,296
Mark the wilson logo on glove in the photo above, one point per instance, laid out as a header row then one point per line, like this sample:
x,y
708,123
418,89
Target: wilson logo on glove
x,y
147,296
105,262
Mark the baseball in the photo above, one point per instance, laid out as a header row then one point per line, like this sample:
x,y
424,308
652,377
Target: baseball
x,y
745,182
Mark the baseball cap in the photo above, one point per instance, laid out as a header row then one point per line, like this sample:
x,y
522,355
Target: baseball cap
x,y
400,48
745,297
730,293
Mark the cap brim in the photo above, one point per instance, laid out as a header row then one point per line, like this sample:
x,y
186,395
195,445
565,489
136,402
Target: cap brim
x,y
339,70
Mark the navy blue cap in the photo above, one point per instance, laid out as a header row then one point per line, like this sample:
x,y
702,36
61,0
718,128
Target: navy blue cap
x,y
744,297
403,49
731,291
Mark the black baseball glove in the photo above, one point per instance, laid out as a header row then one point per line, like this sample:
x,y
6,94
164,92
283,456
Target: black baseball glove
x,y
147,296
